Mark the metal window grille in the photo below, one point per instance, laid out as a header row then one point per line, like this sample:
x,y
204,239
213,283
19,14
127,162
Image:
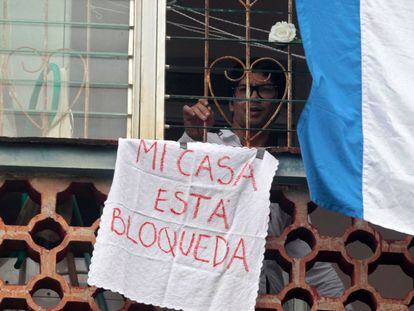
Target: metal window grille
x,y
205,39
64,68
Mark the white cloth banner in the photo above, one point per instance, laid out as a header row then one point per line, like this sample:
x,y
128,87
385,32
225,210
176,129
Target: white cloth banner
x,y
185,228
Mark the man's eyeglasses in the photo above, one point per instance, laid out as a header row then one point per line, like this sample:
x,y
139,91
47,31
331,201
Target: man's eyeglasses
x,y
264,91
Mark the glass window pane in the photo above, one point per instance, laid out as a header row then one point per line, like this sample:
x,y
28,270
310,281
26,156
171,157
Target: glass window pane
x,y
64,68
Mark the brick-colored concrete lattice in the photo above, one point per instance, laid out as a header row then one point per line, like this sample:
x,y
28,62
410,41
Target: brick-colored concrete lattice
x,y
50,193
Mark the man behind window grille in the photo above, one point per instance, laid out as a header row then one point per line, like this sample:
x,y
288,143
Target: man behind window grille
x,y
322,275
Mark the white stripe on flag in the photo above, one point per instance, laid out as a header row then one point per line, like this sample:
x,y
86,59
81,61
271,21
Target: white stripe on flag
x,y
387,35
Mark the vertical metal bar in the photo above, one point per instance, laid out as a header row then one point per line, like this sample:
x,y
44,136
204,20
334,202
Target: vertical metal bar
x,y
248,73
73,274
45,60
64,33
131,80
206,56
160,70
289,81
87,89
135,77
3,75
23,271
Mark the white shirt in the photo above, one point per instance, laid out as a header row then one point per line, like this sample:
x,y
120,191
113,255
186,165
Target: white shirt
x,y
322,275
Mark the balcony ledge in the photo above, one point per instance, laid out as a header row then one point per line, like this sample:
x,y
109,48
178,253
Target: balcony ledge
x,y
96,158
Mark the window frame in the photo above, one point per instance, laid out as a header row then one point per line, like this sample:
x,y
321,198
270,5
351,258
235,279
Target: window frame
x,y
147,70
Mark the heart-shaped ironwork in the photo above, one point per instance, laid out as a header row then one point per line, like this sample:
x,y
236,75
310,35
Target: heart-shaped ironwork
x,y
45,67
245,70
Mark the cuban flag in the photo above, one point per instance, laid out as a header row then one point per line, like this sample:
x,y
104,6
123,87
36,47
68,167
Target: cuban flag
x,y
356,131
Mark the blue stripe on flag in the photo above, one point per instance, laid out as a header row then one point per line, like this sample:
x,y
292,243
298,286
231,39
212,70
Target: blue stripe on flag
x,y
330,127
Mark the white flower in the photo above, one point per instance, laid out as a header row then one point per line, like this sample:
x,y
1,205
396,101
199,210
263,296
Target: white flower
x,y
282,32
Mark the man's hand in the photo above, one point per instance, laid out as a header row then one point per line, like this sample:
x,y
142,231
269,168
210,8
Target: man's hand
x,y
196,115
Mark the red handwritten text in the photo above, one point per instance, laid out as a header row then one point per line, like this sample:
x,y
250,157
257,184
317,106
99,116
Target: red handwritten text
x,y
219,170
214,250
218,212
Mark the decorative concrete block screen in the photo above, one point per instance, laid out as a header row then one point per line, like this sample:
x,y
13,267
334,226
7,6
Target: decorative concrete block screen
x,y
48,227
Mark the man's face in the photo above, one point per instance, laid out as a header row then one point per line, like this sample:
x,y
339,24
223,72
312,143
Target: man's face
x,y
260,111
